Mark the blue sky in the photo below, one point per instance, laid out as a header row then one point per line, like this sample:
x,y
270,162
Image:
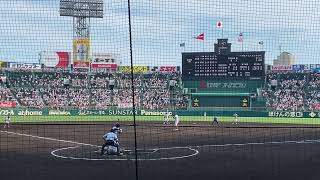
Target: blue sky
x,y
159,26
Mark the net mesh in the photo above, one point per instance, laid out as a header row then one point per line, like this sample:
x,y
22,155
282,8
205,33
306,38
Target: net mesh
x,y
200,89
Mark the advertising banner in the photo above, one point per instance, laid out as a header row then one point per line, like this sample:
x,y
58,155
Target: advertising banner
x,y
105,66
8,104
146,112
307,67
136,69
281,68
104,60
316,107
298,67
55,59
25,65
165,68
3,64
81,53
315,68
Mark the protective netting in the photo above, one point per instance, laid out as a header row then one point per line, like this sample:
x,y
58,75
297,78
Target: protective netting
x,y
193,89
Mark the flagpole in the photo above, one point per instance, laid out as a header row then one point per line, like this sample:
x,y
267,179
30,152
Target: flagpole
x,y
222,33
219,26
242,40
261,45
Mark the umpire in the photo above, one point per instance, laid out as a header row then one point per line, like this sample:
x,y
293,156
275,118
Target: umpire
x,y
215,120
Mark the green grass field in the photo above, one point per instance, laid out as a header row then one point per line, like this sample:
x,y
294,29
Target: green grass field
x,y
267,120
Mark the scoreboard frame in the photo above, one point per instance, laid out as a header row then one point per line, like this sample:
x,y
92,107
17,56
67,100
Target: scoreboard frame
x,y
226,66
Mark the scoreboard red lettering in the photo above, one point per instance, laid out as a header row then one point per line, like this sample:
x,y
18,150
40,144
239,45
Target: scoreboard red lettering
x,y
168,68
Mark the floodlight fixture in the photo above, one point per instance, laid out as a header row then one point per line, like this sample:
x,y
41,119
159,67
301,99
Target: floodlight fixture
x,y
82,8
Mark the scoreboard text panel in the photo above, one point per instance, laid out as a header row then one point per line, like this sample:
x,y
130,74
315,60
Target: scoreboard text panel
x,y
242,65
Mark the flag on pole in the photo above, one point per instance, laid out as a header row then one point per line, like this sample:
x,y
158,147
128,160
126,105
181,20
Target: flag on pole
x,y
182,44
240,38
261,42
200,36
219,24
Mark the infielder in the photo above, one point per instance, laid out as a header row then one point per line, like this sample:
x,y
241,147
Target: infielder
x,y
235,118
7,122
176,121
215,120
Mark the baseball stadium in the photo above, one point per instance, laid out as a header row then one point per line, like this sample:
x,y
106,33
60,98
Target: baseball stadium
x,y
168,89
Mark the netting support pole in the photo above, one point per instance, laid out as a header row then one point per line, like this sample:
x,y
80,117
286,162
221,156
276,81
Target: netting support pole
x,y
133,95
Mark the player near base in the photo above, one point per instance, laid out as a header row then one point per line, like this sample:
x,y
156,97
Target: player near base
x,y
111,139
215,120
7,122
166,117
235,118
176,121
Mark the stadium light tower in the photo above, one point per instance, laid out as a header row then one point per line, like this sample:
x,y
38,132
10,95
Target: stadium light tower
x,y
81,11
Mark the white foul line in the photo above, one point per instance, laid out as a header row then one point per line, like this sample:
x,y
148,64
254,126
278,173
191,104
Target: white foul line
x,y
50,139
263,143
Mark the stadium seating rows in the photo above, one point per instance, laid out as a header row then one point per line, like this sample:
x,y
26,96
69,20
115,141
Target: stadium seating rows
x,y
97,91
292,92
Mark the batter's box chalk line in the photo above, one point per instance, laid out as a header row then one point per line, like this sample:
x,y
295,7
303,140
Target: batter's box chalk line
x,y
129,154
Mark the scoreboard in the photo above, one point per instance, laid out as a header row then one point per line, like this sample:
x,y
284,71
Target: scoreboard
x,y
227,66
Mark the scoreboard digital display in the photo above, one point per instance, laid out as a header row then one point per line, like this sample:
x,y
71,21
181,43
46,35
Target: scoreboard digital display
x,y
232,65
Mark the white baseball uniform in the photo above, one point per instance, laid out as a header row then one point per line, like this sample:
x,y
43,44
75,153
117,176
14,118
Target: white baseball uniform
x,y
176,122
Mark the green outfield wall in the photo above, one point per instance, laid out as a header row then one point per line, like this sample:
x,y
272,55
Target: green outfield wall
x,y
144,112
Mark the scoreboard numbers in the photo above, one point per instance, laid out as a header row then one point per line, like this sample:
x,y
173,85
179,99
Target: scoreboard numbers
x,y
233,65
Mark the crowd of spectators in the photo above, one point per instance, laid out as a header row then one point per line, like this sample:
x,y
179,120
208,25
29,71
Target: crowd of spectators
x,y
100,98
78,80
66,97
292,91
36,79
55,98
313,99
101,90
123,98
29,97
21,79
79,98
159,90
100,81
123,81
157,81
283,91
47,79
158,99
6,95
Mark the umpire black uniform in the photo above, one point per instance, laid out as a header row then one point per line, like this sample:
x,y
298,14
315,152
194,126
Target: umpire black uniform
x,y
215,120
